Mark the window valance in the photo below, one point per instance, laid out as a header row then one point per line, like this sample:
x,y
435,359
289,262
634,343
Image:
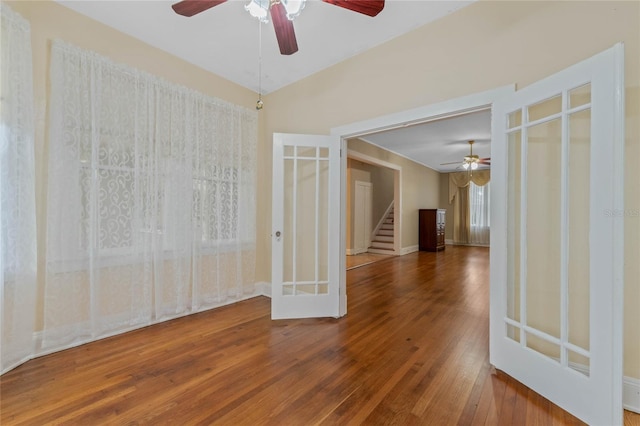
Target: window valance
x,y
462,179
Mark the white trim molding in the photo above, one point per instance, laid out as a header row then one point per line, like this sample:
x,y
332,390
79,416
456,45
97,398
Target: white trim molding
x,y
410,249
631,394
424,114
353,252
263,288
452,243
355,155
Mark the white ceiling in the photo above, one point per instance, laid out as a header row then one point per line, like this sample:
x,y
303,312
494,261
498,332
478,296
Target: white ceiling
x,y
224,40
440,141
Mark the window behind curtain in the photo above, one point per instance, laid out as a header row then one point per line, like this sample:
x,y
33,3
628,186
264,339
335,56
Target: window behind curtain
x,y
151,199
479,209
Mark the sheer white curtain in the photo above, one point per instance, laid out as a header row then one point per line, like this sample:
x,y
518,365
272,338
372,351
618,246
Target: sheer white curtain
x,y
17,192
151,200
479,209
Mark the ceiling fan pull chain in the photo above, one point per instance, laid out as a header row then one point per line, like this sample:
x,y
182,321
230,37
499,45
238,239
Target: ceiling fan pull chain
x,y
259,104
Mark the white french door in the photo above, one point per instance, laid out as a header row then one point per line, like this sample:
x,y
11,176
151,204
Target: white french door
x,y
306,226
557,240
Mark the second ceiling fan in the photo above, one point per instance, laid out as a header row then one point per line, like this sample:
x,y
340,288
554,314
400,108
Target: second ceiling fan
x,y
282,14
471,161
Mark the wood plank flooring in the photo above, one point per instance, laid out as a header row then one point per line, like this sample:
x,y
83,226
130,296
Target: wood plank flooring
x,y
413,350
358,260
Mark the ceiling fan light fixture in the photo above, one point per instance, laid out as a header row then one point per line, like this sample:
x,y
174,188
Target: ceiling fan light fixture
x,y
293,8
282,12
259,9
472,161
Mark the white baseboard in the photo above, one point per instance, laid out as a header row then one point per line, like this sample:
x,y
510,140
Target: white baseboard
x,y
352,252
264,288
410,249
631,394
452,243
381,251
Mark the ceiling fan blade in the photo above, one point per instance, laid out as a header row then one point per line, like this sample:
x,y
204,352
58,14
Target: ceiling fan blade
x,y
284,30
453,162
366,7
193,7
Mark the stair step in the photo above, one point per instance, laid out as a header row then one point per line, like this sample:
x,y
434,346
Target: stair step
x,y
381,245
383,240
380,251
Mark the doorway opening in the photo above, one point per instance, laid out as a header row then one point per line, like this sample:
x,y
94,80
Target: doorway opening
x,y
431,113
373,195
372,231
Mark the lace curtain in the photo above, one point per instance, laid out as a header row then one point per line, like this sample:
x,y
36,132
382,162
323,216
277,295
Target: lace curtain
x,y
17,192
151,200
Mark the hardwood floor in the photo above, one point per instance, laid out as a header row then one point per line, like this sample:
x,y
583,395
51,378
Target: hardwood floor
x,y
358,260
413,350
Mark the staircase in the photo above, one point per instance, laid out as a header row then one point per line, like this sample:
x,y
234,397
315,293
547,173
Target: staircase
x,y
382,241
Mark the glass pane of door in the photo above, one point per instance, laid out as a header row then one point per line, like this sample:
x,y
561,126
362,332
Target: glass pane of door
x,y
578,240
543,232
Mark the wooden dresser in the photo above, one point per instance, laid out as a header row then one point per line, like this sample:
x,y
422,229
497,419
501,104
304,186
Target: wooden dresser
x,y
431,228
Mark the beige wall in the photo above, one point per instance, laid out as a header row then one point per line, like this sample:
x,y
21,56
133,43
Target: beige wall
x,y
486,45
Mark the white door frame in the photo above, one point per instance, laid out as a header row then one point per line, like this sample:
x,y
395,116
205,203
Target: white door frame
x,y
450,108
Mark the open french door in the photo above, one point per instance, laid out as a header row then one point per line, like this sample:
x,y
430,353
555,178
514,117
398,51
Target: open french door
x,y
557,237
306,226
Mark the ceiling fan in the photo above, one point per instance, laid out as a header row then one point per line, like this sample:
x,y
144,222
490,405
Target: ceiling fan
x,y
282,13
471,161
